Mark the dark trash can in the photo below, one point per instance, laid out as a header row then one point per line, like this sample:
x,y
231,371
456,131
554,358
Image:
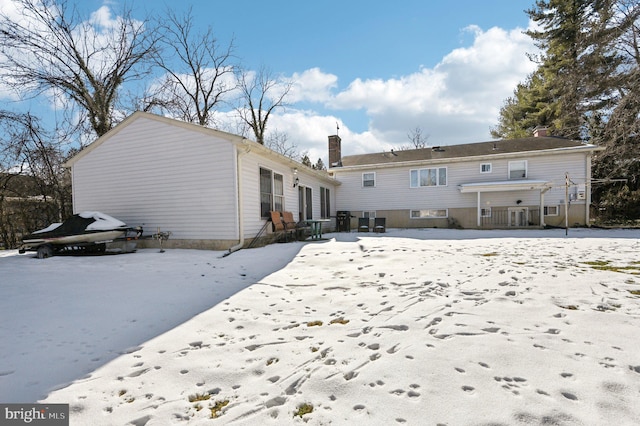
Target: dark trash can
x,y
343,221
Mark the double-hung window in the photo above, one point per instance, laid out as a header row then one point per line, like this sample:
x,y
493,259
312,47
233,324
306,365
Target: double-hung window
x,y
518,169
428,177
369,179
271,192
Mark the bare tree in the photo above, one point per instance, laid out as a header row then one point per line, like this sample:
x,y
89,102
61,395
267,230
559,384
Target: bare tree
x,y
34,187
262,93
52,48
417,138
279,142
199,71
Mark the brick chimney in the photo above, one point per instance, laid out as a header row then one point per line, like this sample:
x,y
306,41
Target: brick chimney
x,y
335,151
540,132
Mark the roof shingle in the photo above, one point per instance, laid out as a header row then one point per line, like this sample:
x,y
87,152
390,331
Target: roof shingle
x,y
461,151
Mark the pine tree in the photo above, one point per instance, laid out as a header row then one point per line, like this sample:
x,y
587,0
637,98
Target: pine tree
x,y
527,108
587,87
306,161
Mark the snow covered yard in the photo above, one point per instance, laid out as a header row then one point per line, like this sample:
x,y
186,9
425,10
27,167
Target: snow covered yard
x,y
410,327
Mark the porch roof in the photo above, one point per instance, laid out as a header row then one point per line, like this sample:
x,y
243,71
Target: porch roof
x,y
508,185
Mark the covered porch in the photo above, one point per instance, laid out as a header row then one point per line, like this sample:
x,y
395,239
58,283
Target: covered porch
x,y
516,215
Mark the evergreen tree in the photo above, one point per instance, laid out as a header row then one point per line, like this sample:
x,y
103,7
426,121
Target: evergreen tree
x,y
587,87
306,161
530,106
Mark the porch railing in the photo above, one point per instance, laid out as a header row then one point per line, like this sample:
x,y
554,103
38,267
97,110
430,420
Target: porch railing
x,y
511,218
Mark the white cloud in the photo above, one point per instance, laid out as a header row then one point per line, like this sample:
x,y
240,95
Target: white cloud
x,y
312,85
456,101
310,130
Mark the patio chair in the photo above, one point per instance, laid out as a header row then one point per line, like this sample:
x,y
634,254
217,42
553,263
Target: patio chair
x,y
363,224
290,225
289,222
276,221
380,224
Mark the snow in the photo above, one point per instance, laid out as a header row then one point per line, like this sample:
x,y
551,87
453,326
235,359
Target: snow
x,y
408,327
103,221
48,228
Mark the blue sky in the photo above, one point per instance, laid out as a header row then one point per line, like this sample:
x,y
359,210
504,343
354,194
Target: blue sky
x,y
380,69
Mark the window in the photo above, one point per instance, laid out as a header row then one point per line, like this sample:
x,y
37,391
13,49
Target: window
x,y
271,192
325,203
518,169
429,214
308,195
551,210
485,168
369,179
485,212
428,177
278,192
369,215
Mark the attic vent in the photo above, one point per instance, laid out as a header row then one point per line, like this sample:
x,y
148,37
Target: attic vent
x,y
437,149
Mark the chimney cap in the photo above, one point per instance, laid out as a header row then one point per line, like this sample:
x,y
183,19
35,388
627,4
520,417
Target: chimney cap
x,y
540,131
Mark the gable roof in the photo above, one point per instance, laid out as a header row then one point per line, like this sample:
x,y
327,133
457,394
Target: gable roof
x,y
480,149
140,114
248,145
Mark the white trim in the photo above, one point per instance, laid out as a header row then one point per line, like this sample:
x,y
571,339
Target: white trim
x,y
546,210
499,186
526,167
446,213
437,169
374,180
490,168
474,158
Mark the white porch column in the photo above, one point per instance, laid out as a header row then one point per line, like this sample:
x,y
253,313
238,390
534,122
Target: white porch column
x,y
542,191
479,211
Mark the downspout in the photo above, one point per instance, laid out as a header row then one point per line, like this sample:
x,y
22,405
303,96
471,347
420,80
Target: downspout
x,y
238,158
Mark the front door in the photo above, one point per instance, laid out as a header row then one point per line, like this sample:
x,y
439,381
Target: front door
x,y
518,216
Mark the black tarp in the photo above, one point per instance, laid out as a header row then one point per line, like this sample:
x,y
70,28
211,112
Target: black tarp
x,y
75,225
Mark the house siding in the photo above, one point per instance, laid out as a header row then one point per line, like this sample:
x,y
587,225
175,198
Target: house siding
x,y
251,163
392,196
161,176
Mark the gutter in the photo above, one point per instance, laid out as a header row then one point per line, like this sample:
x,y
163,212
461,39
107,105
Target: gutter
x,y
238,159
448,160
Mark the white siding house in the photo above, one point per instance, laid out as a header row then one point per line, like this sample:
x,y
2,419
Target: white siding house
x,y
201,184
497,184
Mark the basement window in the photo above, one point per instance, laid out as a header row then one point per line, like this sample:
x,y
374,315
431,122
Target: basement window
x,y
551,210
429,214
